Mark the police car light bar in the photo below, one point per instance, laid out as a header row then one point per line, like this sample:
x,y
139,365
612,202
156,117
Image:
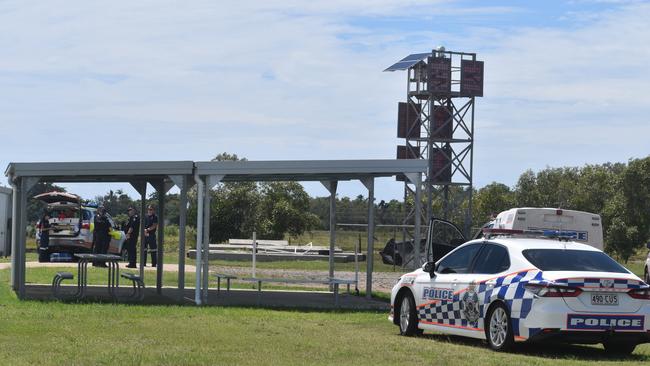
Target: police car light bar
x,y
553,234
495,231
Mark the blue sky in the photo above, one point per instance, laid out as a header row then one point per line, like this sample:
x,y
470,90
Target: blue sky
x,y
566,81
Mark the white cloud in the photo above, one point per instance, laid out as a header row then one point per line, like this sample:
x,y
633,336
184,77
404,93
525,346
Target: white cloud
x,y
559,97
294,79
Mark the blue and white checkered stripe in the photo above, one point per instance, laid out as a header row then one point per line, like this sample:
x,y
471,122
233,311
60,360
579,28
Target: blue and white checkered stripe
x,y
509,288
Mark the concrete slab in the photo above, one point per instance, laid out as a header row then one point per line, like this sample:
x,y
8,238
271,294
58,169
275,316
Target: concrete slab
x,y
272,257
308,300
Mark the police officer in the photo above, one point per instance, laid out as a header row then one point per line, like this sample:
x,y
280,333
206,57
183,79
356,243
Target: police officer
x,y
150,226
44,241
132,230
101,235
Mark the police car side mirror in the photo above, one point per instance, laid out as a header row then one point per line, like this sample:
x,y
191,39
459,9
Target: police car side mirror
x,y
430,267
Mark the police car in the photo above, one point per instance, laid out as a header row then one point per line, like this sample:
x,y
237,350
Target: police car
x,y
523,285
72,222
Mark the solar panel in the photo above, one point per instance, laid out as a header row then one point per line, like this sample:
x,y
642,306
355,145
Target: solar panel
x,y
416,56
408,61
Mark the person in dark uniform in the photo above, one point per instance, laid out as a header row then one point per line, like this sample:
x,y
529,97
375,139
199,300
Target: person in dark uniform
x,y
150,226
132,230
44,242
101,236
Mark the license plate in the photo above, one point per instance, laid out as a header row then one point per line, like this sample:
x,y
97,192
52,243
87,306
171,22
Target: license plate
x,y
604,299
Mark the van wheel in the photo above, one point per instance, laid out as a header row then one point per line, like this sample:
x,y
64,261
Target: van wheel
x,y
619,348
408,321
498,329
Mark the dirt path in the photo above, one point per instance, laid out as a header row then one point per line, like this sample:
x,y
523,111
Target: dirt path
x,y
381,281
167,267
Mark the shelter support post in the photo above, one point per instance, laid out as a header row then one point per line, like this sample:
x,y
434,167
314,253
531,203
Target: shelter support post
x,y
16,262
141,187
211,181
183,183
370,184
418,219
199,236
162,191
416,180
205,247
331,186
19,235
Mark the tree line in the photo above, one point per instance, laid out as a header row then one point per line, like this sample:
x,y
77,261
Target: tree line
x,y
619,192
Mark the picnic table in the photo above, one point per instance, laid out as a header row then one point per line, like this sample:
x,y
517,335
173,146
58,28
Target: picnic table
x,y
113,271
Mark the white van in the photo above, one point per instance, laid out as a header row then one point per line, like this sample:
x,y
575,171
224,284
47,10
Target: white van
x,y
587,225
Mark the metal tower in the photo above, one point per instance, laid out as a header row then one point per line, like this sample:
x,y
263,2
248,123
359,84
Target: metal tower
x,y
437,123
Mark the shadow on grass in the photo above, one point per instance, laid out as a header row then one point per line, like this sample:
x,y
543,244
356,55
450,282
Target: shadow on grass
x,y
41,293
545,350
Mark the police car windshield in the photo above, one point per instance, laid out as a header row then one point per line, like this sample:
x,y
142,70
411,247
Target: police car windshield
x,y
572,260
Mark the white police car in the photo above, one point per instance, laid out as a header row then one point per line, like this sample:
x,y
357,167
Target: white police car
x,y
515,285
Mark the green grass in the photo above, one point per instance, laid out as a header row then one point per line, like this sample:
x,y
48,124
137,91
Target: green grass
x,y
53,333
636,267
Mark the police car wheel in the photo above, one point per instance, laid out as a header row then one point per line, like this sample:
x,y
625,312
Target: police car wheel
x,y
498,329
408,324
619,348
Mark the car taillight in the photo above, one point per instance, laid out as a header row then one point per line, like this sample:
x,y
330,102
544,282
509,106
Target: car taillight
x,y
640,293
552,290
85,226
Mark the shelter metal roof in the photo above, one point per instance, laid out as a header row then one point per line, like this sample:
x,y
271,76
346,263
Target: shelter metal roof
x,y
308,170
107,171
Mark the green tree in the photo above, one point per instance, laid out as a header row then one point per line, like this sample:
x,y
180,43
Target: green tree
x,y
526,193
115,202
490,200
239,208
621,238
284,208
234,211
551,187
629,210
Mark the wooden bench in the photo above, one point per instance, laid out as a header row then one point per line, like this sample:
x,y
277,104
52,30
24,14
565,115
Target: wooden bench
x,y
228,277
138,285
331,281
56,283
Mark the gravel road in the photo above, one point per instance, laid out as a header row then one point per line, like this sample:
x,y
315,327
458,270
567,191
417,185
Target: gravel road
x,y
381,281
